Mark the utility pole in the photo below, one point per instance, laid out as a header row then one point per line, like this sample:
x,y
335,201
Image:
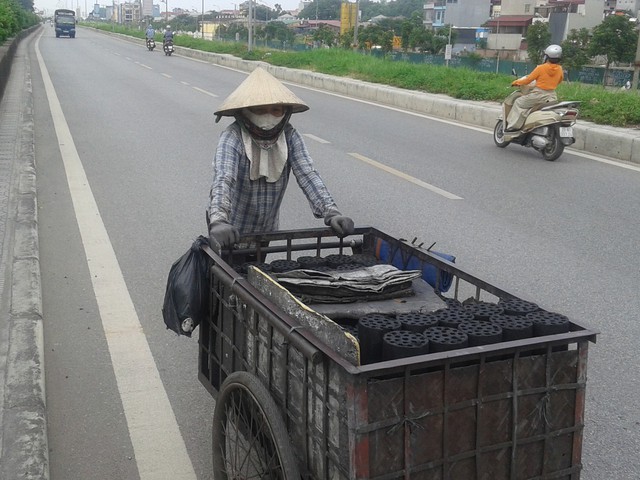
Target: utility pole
x,y
250,25
636,67
355,28
447,54
497,38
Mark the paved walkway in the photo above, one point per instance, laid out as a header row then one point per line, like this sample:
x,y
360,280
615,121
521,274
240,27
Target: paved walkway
x,y
23,437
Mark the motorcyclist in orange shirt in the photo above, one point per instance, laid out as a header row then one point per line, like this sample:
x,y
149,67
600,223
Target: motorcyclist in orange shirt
x,y
547,77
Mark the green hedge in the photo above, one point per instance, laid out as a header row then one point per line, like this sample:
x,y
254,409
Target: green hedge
x,y
14,18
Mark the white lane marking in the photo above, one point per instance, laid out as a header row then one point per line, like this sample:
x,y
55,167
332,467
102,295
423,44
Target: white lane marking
x,y
159,448
166,75
128,58
317,139
615,163
184,83
406,177
205,92
144,66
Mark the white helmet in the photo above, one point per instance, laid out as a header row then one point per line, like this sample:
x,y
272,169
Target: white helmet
x,y
169,28
553,51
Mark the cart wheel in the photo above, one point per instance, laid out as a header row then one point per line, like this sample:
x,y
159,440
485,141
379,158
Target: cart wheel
x,y
250,440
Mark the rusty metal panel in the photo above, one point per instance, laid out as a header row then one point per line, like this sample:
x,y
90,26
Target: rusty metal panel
x,y
509,418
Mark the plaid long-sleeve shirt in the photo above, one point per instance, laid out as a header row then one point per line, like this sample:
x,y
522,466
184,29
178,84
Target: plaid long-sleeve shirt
x,y
253,205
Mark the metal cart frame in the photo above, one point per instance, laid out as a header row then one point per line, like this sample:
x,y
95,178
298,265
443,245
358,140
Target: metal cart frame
x,y
512,410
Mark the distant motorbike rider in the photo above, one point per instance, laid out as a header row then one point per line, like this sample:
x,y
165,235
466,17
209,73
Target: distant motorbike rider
x,y
547,77
167,35
150,33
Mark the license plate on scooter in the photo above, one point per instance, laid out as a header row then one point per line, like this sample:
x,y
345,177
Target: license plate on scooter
x,y
566,131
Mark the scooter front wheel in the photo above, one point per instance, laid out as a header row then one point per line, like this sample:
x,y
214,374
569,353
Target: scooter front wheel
x,y
498,135
554,148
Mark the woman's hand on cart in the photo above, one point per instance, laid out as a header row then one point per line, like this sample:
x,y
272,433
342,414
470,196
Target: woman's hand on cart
x,y
224,234
342,226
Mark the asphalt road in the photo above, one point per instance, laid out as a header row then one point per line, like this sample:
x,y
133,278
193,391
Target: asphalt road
x,y
141,125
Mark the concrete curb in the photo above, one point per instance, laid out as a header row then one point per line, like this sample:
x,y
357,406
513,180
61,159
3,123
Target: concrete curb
x,y
25,451
617,143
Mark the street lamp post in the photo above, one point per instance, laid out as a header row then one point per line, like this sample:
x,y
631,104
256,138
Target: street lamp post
x,y
448,48
497,50
166,10
636,67
250,27
355,28
202,22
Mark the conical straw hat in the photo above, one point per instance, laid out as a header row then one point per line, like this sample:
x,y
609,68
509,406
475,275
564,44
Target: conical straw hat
x,y
260,88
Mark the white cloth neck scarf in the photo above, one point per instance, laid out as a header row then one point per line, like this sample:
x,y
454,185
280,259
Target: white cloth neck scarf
x,y
266,161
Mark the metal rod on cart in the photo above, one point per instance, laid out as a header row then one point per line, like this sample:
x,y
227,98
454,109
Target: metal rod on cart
x,y
296,247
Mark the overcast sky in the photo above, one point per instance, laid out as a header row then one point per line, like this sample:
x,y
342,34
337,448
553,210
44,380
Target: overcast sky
x,y
196,5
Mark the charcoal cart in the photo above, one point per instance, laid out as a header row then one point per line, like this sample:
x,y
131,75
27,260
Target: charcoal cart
x,y
293,399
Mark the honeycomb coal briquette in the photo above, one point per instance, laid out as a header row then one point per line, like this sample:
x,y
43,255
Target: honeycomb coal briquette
x,y
371,329
402,343
352,329
444,339
451,317
337,259
483,310
515,306
364,259
452,303
323,268
548,323
417,321
480,332
310,262
280,266
347,267
514,327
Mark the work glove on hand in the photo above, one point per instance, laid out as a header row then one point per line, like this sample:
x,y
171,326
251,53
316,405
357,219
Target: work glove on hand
x,y
223,233
341,225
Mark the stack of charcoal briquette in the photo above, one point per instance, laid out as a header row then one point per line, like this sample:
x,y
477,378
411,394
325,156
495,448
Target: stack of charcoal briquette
x,y
384,337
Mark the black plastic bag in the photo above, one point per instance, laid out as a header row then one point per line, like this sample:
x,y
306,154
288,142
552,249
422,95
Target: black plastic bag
x,y
186,299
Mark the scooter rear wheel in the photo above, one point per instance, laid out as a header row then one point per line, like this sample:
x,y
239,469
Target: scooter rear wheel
x,y
498,135
555,147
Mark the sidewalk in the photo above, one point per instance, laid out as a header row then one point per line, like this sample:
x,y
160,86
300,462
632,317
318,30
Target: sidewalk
x,y
23,433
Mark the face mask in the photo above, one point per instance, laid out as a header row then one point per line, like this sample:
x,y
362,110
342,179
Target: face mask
x,y
265,121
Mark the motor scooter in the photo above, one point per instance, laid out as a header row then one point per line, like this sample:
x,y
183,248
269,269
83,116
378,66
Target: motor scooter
x,y
547,128
151,44
167,46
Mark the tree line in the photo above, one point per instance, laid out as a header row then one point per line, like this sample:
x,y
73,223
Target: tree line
x,y
15,15
615,40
